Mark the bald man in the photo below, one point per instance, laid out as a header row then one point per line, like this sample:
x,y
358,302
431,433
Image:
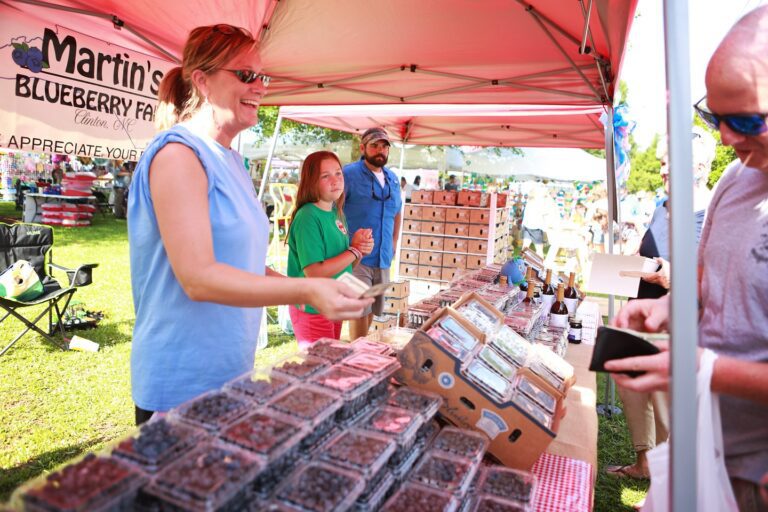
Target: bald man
x,y
733,262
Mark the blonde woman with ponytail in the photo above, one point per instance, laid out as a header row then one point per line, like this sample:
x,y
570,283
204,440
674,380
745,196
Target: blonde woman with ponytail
x,y
198,234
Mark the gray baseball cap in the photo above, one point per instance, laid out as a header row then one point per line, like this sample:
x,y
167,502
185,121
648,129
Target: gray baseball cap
x,y
374,134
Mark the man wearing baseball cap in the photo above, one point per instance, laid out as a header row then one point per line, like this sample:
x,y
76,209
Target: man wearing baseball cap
x,y
372,201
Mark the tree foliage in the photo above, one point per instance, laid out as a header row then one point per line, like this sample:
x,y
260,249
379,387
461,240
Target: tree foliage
x,y
724,155
297,133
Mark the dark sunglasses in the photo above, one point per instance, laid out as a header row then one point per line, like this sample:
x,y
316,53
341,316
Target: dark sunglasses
x,y
388,190
744,124
248,77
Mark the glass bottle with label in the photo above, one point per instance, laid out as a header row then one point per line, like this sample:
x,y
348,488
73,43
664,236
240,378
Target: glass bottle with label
x,y
524,285
547,291
528,300
571,295
558,312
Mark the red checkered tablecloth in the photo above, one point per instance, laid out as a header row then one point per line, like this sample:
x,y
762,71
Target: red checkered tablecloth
x,y
564,484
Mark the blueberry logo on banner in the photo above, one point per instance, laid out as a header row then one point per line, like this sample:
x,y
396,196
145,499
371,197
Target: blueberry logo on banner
x,y
446,380
491,423
28,58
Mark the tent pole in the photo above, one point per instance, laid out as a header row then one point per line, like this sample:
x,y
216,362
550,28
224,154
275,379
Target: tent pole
x,y
684,301
268,165
402,214
608,407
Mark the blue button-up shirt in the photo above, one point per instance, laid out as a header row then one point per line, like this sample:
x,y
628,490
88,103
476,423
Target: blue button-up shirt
x,y
369,205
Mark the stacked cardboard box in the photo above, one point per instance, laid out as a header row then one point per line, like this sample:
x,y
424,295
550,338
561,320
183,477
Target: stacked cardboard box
x,y
447,232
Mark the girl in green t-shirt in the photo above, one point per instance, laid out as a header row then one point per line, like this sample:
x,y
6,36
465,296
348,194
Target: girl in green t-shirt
x,y
318,242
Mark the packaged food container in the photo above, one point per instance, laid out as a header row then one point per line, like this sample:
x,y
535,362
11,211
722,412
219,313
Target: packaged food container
x,y
461,443
494,385
375,494
266,433
353,386
397,337
259,385
93,483
399,424
531,408
364,452
316,407
156,443
445,472
423,402
497,363
537,394
375,347
512,347
508,483
412,497
213,477
320,487
554,363
213,410
379,369
331,350
300,366
488,503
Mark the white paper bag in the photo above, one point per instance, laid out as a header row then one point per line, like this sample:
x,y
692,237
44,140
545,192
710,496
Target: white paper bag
x,y
714,492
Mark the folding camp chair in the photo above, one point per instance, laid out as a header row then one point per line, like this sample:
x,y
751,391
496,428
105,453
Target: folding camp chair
x,y
33,242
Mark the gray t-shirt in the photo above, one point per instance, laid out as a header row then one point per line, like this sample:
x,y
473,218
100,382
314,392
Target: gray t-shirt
x,y
733,260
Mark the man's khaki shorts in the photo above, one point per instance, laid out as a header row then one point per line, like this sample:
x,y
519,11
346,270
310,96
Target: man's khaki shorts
x,y
371,276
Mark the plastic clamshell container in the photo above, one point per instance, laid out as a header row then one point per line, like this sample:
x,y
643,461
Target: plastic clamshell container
x,y
508,484
359,450
93,483
535,393
212,477
402,469
493,384
513,347
400,424
300,366
531,408
397,337
213,410
497,363
313,405
320,487
331,350
542,371
445,472
259,385
413,496
486,320
489,503
554,363
423,402
461,443
373,498
374,364
266,433
351,384
366,345
158,442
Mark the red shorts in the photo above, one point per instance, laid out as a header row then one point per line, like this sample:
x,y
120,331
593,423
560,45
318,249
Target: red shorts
x,y
309,328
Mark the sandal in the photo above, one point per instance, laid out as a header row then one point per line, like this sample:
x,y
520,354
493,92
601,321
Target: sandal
x,y
628,471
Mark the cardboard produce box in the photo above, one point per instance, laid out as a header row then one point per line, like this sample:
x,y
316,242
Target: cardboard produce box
x,y
456,229
409,270
433,214
410,241
432,228
432,243
410,256
472,198
459,215
429,272
516,438
422,196
478,230
412,211
446,197
412,226
479,216
430,258
394,306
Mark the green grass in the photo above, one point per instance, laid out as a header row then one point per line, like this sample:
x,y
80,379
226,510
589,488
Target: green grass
x,y
56,405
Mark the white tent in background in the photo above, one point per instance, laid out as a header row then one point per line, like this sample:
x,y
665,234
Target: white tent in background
x,y
559,164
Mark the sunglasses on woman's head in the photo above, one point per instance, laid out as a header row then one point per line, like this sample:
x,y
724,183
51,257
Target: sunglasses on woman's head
x,y
744,124
248,77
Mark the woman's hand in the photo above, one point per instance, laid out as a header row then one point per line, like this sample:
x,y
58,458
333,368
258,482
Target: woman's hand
x,y
661,276
335,300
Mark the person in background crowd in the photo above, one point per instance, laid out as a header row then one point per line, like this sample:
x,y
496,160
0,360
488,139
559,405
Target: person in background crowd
x,y
452,184
403,186
733,264
535,215
198,235
371,201
57,174
318,242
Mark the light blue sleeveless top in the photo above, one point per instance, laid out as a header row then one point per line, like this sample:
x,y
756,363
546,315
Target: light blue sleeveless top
x,y
183,348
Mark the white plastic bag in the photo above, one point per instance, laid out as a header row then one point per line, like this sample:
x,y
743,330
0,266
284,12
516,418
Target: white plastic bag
x,y
714,491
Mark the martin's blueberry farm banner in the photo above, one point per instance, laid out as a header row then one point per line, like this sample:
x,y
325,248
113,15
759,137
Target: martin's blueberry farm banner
x,y
65,92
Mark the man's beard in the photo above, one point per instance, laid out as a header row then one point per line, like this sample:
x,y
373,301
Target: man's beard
x,y
376,160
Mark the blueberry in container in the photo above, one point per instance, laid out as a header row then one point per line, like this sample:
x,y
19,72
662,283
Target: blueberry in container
x,y
493,384
332,351
353,386
507,483
497,363
213,477
538,395
425,403
259,385
379,368
361,451
213,410
442,471
300,366
417,498
399,424
366,345
375,494
402,470
316,407
485,503
158,442
531,408
320,487
461,443
93,483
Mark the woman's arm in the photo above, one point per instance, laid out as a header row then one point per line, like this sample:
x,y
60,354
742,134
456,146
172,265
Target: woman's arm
x,y
179,189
